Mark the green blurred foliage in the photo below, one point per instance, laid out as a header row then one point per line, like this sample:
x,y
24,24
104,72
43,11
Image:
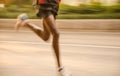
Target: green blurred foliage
x,y
93,8
114,8
83,11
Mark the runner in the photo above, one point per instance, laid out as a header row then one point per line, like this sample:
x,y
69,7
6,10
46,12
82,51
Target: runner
x,y
47,10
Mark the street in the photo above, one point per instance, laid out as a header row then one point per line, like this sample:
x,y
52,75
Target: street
x,y
83,53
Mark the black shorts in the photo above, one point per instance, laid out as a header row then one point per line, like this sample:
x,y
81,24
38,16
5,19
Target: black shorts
x,y
47,9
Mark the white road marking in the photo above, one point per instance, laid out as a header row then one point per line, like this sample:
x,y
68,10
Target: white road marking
x,y
72,45
28,31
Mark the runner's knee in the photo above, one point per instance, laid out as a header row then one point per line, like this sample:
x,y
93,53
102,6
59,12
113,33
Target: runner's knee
x,y
46,37
56,34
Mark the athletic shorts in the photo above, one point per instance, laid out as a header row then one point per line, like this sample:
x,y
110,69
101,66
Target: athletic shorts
x,y
47,9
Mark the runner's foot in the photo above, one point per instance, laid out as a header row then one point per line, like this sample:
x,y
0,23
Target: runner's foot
x,y
64,72
21,20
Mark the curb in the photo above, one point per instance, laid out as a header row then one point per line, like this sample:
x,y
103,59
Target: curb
x,y
80,24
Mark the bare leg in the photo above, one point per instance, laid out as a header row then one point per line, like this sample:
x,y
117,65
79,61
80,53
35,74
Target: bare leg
x,y
49,26
50,21
43,33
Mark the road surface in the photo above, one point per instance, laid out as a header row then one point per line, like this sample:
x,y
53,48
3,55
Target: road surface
x,y
83,54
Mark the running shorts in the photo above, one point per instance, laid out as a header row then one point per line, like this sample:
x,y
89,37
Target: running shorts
x,y
48,7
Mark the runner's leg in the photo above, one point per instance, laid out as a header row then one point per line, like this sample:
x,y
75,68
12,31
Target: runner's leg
x,y
43,33
50,21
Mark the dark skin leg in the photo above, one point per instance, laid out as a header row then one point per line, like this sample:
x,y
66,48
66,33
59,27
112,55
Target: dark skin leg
x,y
49,26
43,33
50,20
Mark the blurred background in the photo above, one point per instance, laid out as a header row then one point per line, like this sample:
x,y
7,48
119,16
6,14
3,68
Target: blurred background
x,y
69,9
89,41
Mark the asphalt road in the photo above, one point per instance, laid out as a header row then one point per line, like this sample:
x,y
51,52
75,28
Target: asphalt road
x,y
83,54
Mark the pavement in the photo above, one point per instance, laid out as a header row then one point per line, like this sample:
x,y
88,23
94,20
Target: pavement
x,y
73,24
83,54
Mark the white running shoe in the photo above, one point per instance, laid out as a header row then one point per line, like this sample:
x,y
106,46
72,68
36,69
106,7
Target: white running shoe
x,y
21,20
23,16
64,72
